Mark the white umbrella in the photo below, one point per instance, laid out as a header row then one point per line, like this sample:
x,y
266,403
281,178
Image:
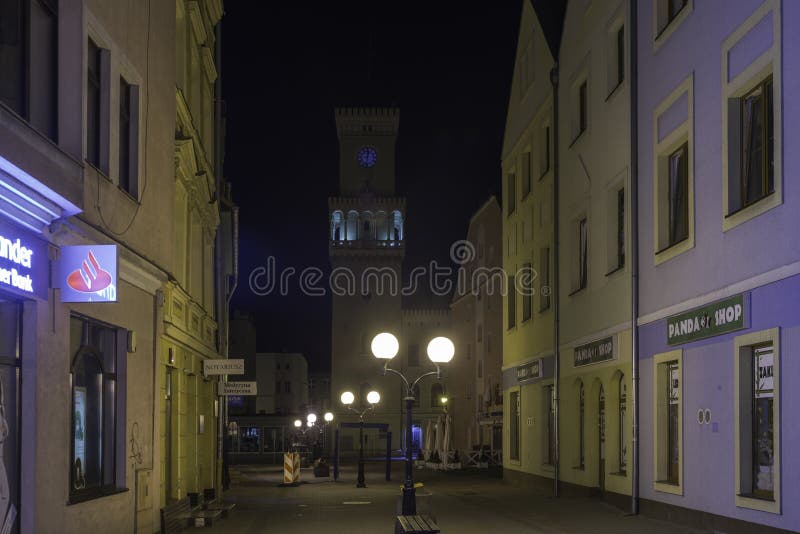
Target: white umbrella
x,y
438,443
446,441
427,449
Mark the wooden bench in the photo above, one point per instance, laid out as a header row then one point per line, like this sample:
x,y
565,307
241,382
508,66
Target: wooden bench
x,y
415,524
176,516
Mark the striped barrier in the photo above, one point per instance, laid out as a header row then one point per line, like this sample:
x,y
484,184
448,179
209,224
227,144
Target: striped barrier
x,y
296,473
288,468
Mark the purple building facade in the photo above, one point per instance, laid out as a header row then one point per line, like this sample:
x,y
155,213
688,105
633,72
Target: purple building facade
x,y
719,207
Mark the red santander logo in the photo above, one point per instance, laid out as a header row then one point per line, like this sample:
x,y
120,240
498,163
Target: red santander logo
x,y
90,277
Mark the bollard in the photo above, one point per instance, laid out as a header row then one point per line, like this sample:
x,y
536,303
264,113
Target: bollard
x,y
288,468
336,455
388,456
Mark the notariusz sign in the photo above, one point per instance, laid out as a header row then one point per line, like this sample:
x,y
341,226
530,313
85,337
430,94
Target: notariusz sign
x,y
717,318
595,352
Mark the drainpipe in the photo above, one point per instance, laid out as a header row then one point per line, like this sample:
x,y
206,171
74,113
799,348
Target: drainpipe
x,y
634,199
554,287
221,286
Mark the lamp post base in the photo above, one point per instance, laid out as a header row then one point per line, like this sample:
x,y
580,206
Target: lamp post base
x,y
409,500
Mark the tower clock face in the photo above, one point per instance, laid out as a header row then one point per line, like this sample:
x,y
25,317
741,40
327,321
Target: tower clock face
x,y
367,156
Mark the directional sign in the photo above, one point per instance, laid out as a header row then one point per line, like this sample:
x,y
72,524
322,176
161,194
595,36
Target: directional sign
x,y
223,367
237,388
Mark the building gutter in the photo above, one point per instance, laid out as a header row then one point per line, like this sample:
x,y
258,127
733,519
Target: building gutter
x,y
554,287
634,210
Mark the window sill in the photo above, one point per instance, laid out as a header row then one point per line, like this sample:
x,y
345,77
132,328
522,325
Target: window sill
x,y
621,474
615,90
751,211
674,250
97,169
761,504
668,487
576,291
577,138
544,173
128,195
90,495
616,270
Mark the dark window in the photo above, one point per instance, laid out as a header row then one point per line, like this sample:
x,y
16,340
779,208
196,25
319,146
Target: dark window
x,y
758,144
287,386
583,108
526,173
621,228
673,420
127,140
480,368
546,152
679,195
93,104
98,393
763,436
29,57
512,302
583,250
581,422
673,8
514,419
527,297
512,193
620,54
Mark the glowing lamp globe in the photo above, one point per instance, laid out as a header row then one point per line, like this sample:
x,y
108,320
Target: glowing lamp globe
x,y
298,423
373,397
348,398
444,400
328,417
385,346
441,350
311,418
309,424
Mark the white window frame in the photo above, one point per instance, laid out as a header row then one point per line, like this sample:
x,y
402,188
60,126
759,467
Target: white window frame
x,y
742,389
660,36
682,133
659,426
620,181
768,63
616,21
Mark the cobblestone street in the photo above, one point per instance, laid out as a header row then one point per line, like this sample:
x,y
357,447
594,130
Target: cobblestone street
x,y
463,502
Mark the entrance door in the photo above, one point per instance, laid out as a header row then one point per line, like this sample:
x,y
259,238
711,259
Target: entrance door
x,y
10,325
601,477
168,435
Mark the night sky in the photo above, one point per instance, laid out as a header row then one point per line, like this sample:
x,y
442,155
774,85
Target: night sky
x,y
446,65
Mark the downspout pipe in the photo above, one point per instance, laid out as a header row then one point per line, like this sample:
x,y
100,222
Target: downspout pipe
x,y
554,287
634,210
219,274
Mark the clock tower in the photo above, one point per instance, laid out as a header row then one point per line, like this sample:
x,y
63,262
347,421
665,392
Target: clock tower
x,y
366,248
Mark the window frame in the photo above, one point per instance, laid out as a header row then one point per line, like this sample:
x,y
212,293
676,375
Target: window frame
x,y
766,65
511,307
661,422
511,193
742,358
662,34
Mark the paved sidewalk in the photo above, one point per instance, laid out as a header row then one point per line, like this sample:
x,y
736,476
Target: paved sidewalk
x,y
462,502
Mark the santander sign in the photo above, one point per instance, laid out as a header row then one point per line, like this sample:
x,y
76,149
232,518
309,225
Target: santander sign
x,y
90,277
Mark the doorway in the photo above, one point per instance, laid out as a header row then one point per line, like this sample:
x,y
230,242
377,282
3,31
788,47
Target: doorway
x,y
168,435
601,476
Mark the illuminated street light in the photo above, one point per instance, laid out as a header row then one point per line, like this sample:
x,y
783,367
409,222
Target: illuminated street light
x,y
441,350
311,418
385,346
298,423
348,398
373,398
328,417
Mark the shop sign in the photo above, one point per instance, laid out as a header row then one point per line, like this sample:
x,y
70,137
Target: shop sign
x,y
237,388
594,352
712,320
223,367
23,262
529,371
88,273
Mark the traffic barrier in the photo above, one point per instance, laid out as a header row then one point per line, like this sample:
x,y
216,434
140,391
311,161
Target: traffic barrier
x,y
291,468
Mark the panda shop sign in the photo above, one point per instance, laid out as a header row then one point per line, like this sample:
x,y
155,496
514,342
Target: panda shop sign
x,y
721,317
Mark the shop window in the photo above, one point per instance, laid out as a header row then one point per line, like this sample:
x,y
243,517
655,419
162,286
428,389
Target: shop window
x,y
623,428
668,426
514,426
98,409
550,432
10,360
757,421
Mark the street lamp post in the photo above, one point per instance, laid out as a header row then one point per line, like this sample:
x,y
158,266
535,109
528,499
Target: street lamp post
x,y
373,398
440,350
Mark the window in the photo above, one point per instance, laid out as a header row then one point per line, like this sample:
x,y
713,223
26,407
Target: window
x,y
469,390
668,422
511,194
480,368
98,409
512,302
544,285
526,173
581,427
665,14
97,105
29,51
621,228
544,157
673,201
514,424
620,54
583,249
623,406
583,108
277,387
128,137
550,432
437,391
10,364
757,427
757,161
678,195
287,387
527,293
413,355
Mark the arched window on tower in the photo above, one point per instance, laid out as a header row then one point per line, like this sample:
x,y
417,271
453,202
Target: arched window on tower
x,y
381,226
367,228
351,230
337,223
397,226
